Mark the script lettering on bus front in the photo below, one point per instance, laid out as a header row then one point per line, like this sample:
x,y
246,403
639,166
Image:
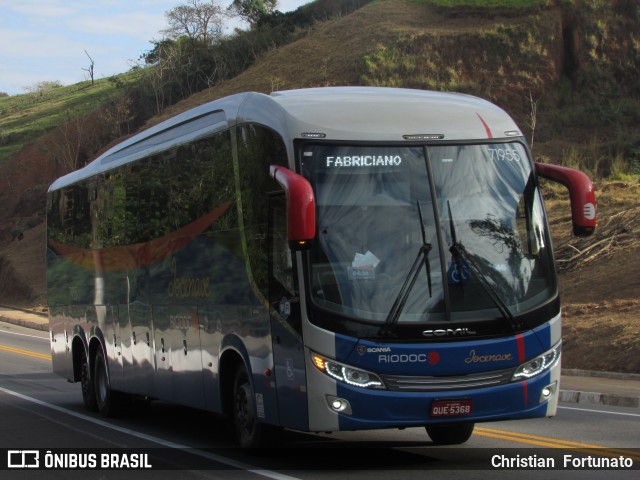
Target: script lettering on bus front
x,y
187,287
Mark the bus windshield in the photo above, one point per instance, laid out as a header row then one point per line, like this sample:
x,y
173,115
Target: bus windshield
x,y
453,231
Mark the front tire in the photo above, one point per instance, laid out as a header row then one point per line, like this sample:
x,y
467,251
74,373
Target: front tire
x,y
451,433
248,430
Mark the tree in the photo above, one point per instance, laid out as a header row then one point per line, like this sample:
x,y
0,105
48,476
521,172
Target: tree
x,y
89,70
65,144
252,11
196,20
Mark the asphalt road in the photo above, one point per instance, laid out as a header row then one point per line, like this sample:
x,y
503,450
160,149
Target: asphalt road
x,y
41,412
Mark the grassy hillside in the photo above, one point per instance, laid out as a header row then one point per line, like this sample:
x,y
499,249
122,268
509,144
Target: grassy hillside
x,y
25,118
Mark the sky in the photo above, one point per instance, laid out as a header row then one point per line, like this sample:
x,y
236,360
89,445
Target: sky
x,y
45,40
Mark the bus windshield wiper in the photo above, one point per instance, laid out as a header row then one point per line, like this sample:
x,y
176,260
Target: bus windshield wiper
x,y
460,256
412,276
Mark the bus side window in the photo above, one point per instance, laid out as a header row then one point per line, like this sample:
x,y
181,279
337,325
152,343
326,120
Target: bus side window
x,y
281,257
258,148
527,226
283,284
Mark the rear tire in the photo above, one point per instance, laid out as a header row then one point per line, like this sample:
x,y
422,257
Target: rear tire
x,y
86,382
450,433
107,401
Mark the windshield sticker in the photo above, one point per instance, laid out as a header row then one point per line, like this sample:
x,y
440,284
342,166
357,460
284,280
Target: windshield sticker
x,y
458,272
364,161
368,259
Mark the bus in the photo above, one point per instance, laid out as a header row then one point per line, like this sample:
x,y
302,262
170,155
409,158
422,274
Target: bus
x,y
321,260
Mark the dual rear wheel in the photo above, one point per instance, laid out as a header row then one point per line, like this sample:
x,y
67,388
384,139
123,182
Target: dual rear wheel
x,y
96,386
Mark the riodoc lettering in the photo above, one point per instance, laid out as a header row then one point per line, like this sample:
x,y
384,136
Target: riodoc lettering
x,y
365,161
403,358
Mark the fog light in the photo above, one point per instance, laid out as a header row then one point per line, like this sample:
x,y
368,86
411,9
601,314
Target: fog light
x,y
339,405
547,392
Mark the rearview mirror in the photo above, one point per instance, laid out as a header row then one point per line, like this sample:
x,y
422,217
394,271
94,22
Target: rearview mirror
x,y
301,206
581,193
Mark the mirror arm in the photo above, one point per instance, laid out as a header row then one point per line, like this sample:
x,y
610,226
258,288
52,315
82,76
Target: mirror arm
x,y
581,194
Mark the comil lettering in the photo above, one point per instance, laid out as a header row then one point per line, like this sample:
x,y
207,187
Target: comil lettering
x,y
365,161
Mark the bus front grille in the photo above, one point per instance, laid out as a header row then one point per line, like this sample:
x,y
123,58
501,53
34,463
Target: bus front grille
x,y
462,382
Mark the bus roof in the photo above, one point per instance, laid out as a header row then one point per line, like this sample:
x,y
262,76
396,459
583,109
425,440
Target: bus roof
x,y
360,114
393,114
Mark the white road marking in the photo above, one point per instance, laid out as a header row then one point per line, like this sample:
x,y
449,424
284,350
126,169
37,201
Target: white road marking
x,y
26,335
600,411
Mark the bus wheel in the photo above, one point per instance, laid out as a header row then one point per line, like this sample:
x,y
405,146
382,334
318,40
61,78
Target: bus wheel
x,y
104,396
451,433
86,381
247,428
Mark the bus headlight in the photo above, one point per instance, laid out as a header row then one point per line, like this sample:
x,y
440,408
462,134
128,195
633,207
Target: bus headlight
x,y
538,365
346,374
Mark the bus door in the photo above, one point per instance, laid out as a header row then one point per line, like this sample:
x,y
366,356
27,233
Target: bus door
x,y
284,300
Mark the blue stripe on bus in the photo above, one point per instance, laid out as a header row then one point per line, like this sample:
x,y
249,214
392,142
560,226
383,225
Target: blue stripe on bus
x,y
444,358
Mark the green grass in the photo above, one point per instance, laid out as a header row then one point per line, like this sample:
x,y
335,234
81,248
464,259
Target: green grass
x,y
23,118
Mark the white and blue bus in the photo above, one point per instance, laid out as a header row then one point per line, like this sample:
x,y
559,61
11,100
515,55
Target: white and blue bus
x,y
321,260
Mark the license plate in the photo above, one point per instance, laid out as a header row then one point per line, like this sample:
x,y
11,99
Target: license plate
x,y
460,407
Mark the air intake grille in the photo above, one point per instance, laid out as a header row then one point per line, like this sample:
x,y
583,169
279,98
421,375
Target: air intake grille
x,y
434,384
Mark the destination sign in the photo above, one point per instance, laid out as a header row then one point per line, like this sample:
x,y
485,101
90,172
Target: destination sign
x,y
364,161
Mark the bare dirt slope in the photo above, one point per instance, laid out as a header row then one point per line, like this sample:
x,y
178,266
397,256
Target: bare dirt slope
x,y
600,282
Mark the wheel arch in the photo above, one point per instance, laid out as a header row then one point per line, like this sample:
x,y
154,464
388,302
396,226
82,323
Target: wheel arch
x,y
96,342
233,354
78,351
